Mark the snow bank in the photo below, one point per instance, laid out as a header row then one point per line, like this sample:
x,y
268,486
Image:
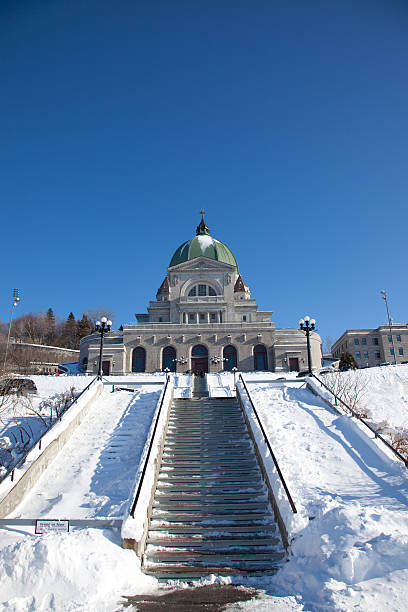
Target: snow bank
x,y
134,528
350,535
37,459
80,570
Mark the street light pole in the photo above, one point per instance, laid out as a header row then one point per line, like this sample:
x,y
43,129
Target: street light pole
x,y
307,325
102,327
16,299
384,297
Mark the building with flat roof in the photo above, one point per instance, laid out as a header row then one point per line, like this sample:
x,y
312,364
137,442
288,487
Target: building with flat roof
x,y
203,319
370,347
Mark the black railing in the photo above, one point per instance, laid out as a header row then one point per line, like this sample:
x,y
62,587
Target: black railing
x,y
360,418
146,461
12,468
292,505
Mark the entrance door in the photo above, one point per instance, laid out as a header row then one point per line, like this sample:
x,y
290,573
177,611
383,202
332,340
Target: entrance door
x,y
199,359
106,368
293,364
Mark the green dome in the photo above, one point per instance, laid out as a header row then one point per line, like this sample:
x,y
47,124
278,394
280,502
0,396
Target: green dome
x,y
203,245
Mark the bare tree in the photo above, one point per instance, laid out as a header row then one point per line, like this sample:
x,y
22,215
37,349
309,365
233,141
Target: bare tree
x,y
350,387
328,343
95,314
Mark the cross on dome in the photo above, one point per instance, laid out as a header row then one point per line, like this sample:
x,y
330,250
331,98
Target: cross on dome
x,y
202,229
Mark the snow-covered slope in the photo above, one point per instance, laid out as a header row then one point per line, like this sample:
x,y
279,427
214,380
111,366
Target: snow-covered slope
x,y
349,538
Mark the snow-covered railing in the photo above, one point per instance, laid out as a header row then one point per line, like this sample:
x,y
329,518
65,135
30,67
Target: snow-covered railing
x,y
360,418
139,486
12,467
266,439
134,527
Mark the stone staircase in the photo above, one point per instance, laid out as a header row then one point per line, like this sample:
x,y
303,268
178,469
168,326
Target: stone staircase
x,y
211,513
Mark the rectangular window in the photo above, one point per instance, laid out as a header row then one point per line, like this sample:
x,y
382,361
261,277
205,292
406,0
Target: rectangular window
x,y
244,317
356,342
191,318
365,354
213,316
358,355
389,338
364,341
398,338
202,317
375,341
400,351
202,289
377,355
392,351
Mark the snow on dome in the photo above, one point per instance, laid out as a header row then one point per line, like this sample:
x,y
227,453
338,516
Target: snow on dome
x,y
203,245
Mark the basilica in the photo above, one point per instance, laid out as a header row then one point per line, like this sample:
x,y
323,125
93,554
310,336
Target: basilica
x,y
204,319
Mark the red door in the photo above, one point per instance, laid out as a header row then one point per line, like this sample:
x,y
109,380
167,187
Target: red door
x,y
199,364
106,368
293,364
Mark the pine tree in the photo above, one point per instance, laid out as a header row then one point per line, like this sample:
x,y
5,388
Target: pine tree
x,y
347,361
50,333
69,333
84,327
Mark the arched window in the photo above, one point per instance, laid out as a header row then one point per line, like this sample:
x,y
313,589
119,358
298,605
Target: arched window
x,y
138,359
260,357
230,356
201,290
199,359
168,358
199,351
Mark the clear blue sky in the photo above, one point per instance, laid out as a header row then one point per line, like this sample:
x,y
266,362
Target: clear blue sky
x,y
287,121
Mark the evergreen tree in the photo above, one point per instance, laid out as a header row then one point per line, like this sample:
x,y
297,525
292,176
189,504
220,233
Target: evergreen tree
x,y
347,361
69,334
84,327
50,332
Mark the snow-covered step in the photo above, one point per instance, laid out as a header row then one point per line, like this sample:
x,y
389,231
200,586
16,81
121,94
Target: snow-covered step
x,y
157,527
211,511
237,559
214,542
217,518
166,572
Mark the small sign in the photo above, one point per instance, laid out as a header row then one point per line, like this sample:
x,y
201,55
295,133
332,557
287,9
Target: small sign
x,y
51,526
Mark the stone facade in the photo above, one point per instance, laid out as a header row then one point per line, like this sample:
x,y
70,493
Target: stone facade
x,y
370,347
203,318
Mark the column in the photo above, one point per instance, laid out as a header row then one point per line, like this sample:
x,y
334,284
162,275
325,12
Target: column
x,y
217,316
197,318
208,317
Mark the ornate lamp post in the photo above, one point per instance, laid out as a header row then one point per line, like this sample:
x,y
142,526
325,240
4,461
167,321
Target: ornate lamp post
x,y
103,326
384,297
235,370
180,360
16,299
307,325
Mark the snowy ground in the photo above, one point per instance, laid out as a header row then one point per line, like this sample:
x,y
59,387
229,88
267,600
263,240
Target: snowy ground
x,y
349,537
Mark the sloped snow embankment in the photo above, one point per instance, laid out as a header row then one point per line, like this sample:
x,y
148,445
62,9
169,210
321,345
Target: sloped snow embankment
x,y
350,536
91,477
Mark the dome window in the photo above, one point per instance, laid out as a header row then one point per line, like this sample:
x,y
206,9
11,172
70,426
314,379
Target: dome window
x,y
201,291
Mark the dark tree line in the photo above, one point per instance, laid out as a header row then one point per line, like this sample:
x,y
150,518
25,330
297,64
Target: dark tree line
x,y
47,328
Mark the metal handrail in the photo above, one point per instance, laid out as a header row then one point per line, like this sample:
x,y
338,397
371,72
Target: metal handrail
x,y
10,470
360,418
139,486
292,505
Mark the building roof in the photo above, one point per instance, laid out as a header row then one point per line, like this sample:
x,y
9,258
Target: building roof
x,y
203,245
164,287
